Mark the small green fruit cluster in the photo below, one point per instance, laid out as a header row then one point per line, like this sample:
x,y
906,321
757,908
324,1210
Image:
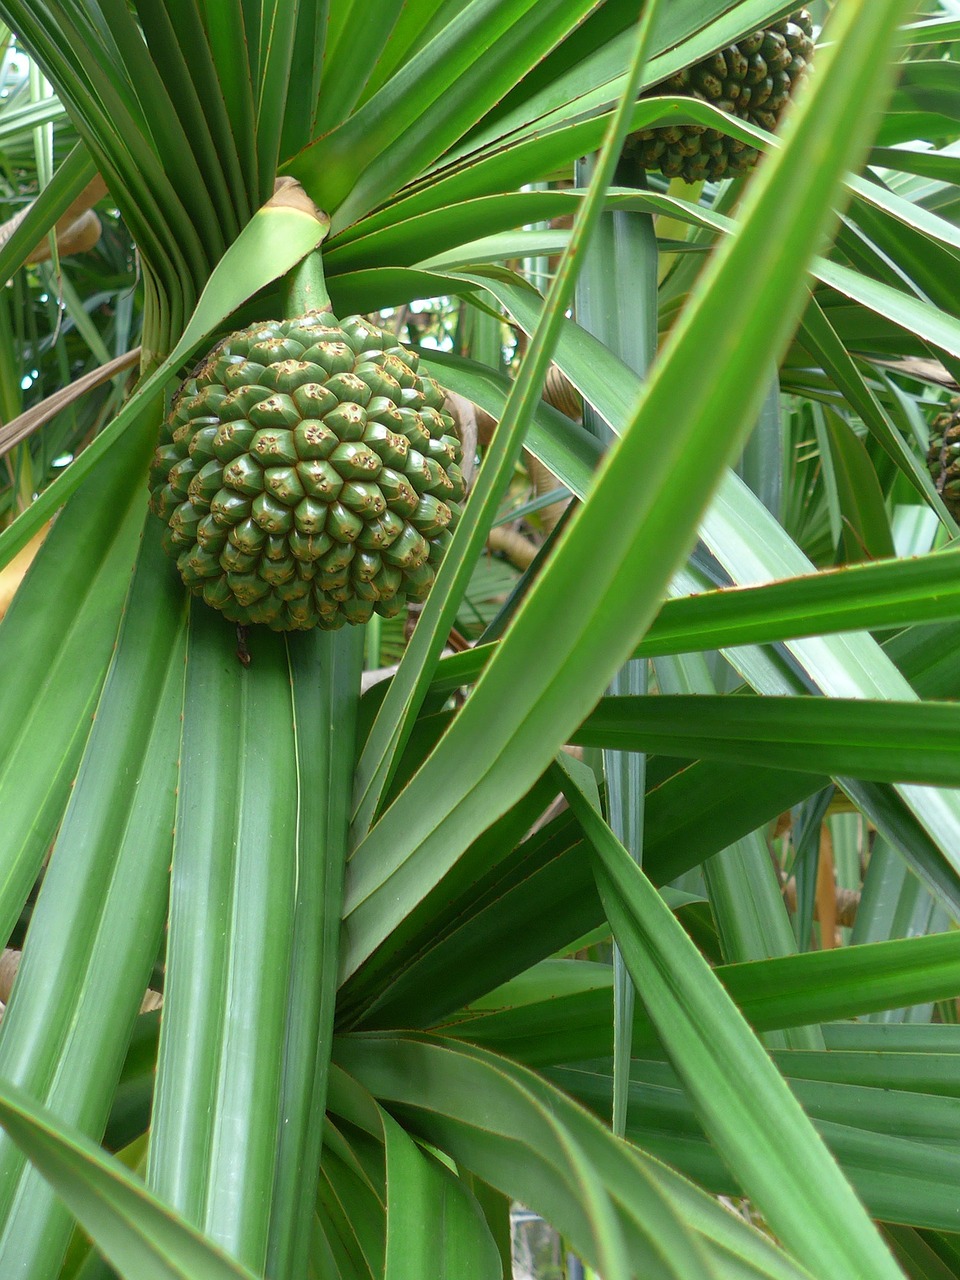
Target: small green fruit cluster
x,y
943,458
753,79
308,475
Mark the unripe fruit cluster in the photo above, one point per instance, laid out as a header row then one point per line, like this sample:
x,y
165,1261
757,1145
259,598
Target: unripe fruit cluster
x,y
752,79
308,475
943,458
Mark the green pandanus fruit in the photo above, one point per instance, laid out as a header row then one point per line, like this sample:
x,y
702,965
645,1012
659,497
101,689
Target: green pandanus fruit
x,y
753,79
943,458
308,475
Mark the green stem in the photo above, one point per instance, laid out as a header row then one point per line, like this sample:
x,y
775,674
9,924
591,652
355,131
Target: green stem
x,y
624,317
304,288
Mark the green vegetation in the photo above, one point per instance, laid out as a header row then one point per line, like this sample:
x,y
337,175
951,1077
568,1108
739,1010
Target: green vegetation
x,y
624,884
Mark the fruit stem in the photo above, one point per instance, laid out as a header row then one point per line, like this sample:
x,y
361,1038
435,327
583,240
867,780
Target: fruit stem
x,y
304,288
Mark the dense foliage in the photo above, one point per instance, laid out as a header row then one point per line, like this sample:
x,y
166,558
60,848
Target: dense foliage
x,y
624,883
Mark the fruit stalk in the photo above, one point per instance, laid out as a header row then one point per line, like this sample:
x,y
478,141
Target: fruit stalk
x,y
304,288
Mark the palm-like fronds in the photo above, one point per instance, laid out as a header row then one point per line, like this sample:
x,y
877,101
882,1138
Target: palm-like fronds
x,y
362,911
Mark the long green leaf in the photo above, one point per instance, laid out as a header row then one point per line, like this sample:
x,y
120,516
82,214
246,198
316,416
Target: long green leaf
x,y
891,593
398,978
431,101
393,723
887,1144
141,1237
896,1112
504,170
882,741
824,343
792,1180
434,1225
350,1213
919,1257
480,1109
685,34
622,547
278,31
353,59
324,671
617,303
217,1115
84,565
179,50
272,242
301,123
229,52
179,142
97,923
559,1012
81,57
752,546
53,201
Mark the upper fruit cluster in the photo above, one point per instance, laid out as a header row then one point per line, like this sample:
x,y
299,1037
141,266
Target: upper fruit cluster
x,y
752,79
308,475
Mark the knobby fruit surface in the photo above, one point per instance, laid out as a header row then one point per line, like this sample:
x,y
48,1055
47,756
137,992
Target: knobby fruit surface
x,y
753,79
943,458
308,475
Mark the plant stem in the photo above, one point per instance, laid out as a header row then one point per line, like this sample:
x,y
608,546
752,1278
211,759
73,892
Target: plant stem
x,y
304,288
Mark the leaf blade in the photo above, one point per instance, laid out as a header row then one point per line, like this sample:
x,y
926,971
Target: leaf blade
x,y
642,539
798,1188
